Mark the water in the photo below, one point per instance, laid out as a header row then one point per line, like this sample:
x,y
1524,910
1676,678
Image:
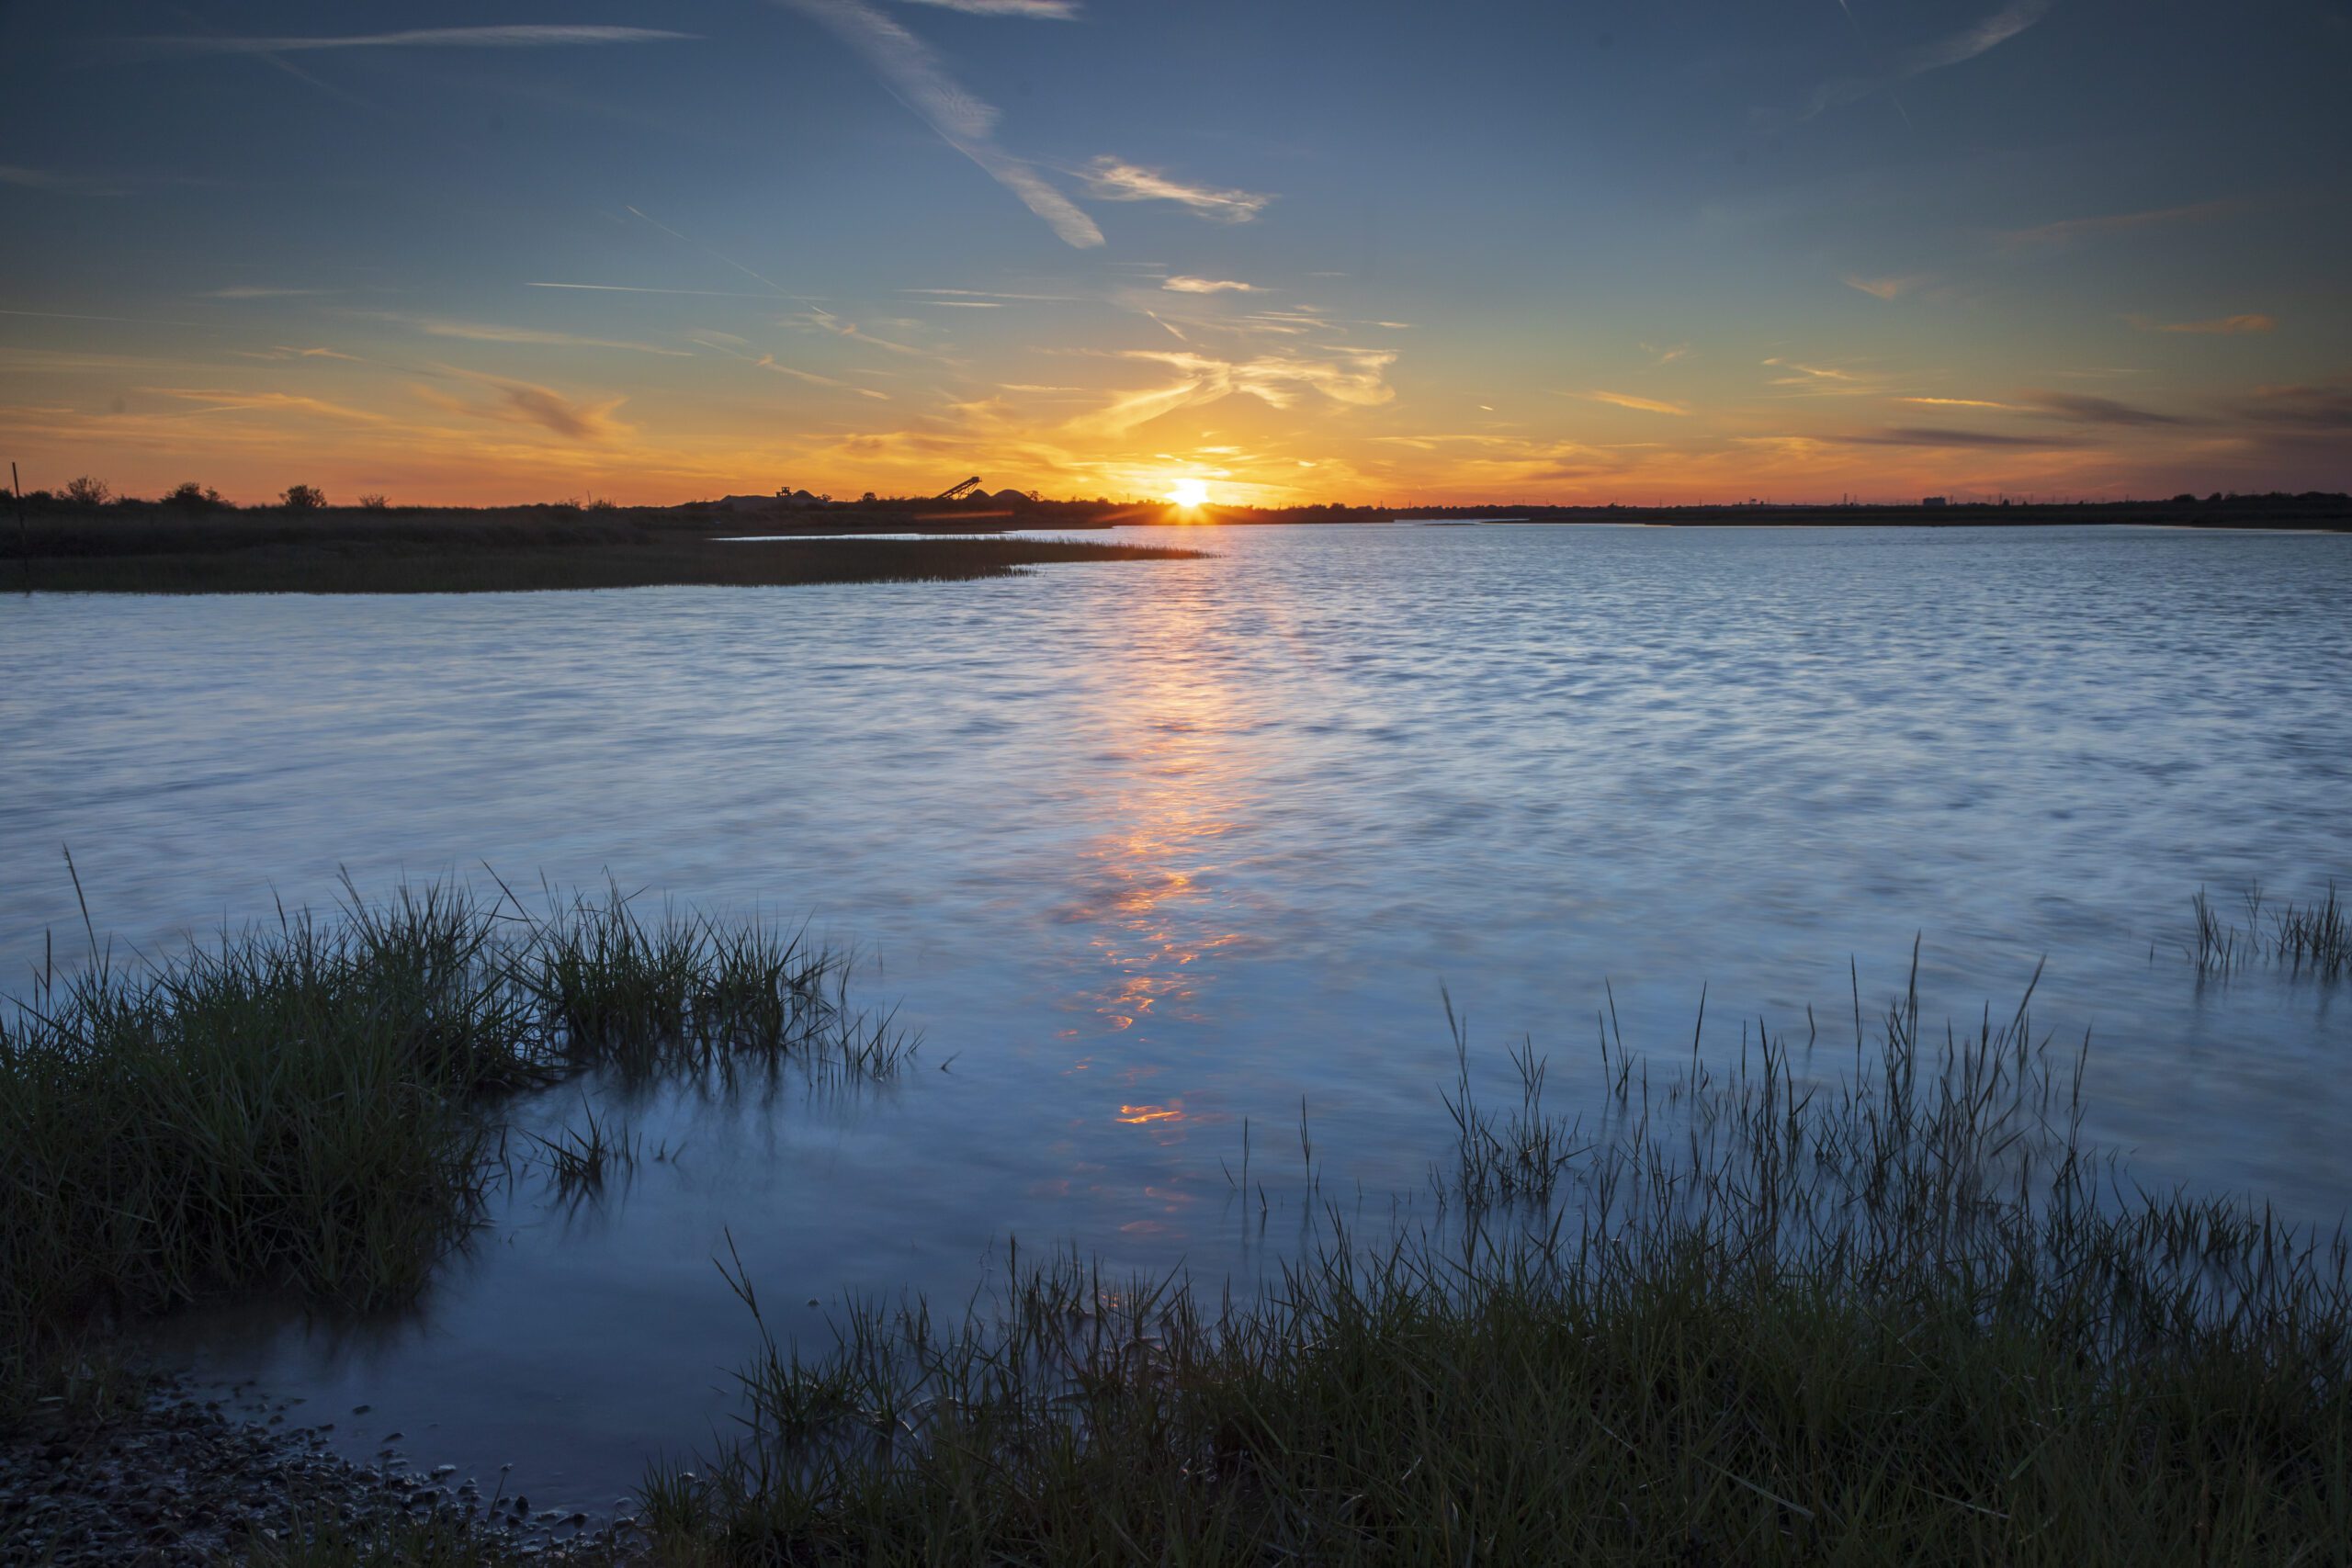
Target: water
x,y
1148,848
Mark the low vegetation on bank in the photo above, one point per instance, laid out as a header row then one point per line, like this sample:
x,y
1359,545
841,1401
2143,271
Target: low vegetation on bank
x,y
1866,1305
1891,1312
314,1103
368,550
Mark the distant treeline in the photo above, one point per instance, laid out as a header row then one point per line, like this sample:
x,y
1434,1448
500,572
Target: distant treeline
x,y
2279,509
87,498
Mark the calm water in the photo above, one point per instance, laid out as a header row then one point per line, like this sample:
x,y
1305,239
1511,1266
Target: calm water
x,y
1144,849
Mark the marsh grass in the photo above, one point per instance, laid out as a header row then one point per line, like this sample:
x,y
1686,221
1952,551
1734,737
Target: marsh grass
x,y
314,1103
1890,1310
2313,939
1516,1157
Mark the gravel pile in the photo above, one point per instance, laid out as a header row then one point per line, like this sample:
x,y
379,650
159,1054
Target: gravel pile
x,y
183,1482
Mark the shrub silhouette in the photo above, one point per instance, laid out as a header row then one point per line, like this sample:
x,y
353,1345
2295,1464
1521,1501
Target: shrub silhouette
x,y
84,490
190,496
304,498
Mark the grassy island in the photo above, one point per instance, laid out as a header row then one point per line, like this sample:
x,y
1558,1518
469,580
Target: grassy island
x,y
157,549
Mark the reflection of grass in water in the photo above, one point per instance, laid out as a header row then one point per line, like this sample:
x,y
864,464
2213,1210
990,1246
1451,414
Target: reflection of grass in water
x,y
1901,1314
309,1103
577,1158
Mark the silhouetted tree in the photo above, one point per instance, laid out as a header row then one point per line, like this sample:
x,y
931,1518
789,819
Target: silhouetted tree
x,y
373,501
84,490
303,498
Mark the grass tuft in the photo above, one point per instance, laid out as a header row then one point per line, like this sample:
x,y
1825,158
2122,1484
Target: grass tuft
x,y
2315,939
313,1103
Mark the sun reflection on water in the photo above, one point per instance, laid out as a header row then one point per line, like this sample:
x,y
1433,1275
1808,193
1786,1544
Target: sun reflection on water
x,y
1163,909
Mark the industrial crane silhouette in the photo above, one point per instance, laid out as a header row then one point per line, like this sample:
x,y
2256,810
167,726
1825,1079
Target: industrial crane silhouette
x,y
957,492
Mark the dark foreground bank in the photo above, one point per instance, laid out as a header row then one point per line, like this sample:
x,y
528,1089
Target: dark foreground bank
x,y
174,1482
158,551
1873,1303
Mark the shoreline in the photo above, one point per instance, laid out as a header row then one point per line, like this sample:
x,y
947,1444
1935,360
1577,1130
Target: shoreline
x,y
1234,1423
171,1478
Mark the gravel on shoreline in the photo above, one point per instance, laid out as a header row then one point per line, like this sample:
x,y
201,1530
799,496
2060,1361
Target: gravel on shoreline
x,y
181,1480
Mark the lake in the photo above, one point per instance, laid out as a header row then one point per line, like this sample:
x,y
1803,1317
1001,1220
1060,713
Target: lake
x,y
1146,849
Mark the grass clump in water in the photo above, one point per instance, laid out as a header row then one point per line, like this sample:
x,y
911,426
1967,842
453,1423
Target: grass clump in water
x,y
313,1103
2315,939
1900,1313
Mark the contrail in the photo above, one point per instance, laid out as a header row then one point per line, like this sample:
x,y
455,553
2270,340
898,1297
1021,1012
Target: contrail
x,y
524,37
913,75
739,267
1953,50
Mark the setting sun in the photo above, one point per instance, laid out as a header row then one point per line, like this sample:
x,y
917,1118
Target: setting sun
x,y
1189,492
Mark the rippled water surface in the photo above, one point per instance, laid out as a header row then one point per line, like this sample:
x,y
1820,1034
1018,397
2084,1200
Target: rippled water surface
x,y
1144,849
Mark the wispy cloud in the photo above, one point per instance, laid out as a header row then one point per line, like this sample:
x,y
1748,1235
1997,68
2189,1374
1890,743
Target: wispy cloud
x,y
2069,230
2224,326
1115,179
2320,409
1183,284
2076,409
1884,287
525,402
770,362
826,321
634,288
221,399
251,292
509,36
1356,377
16,176
486,332
914,76
1665,355
997,295
736,347
1954,49
1038,10
1957,402
78,316
1824,380
1627,400
1923,435
283,352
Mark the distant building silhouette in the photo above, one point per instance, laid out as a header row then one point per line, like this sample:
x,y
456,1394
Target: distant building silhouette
x,y
1933,501
761,503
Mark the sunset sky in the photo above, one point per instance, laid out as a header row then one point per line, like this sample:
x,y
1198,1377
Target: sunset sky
x,y
1303,249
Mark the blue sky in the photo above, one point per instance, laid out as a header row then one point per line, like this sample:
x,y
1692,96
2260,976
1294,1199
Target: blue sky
x,y
1675,248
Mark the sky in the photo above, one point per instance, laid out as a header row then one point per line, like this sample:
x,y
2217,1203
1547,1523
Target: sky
x,y
1378,251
